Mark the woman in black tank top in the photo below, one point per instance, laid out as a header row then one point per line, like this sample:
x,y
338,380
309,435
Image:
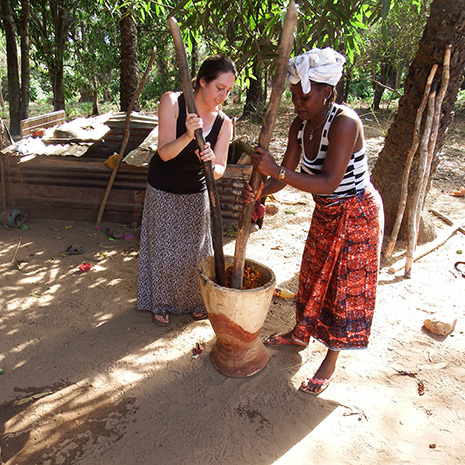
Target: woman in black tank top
x,y
175,234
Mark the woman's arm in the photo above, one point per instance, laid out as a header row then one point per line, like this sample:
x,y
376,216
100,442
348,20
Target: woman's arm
x,y
345,137
290,160
169,146
221,148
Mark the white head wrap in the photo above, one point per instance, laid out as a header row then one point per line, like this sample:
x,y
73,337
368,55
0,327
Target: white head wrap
x,y
319,65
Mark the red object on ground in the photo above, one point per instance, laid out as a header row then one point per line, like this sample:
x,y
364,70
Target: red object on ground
x,y
85,267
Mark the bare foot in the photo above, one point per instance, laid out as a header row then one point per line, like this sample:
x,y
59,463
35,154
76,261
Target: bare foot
x,y
199,315
161,319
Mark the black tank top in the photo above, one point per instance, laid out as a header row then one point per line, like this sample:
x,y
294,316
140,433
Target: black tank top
x,y
183,174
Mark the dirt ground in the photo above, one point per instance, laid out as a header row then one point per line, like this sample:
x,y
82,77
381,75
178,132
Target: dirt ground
x,y
89,380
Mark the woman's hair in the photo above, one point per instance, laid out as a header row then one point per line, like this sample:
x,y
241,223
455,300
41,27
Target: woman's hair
x,y
332,97
212,67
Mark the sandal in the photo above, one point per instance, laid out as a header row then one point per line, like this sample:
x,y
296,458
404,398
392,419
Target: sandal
x,y
73,250
322,382
199,315
162,318
280,339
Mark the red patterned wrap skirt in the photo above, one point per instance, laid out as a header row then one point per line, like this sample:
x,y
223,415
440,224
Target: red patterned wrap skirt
x,y
339,271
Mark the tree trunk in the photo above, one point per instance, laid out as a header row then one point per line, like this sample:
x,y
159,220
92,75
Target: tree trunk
x,y
255,101
194,57
95,110
58,14
12,65
25,66
2,102
379,89
446,23
129,73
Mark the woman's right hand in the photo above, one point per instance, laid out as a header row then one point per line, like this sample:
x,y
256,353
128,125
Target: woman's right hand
x,y
193,122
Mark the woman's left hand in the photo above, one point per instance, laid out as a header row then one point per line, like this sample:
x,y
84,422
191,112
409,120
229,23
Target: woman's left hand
x,y
264,162
207,154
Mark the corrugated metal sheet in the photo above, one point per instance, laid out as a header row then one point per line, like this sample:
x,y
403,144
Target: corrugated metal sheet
x,y
68,181
73,188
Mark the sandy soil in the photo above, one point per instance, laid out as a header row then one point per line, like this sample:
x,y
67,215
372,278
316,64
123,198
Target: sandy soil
x,y
98,383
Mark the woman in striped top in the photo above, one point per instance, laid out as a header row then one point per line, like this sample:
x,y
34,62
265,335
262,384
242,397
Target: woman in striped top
x,y
339,270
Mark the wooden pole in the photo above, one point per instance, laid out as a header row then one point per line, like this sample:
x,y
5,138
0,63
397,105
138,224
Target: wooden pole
x,y
427,248
126,138
445,218
217,224
414,219
408,166
430,151
284,52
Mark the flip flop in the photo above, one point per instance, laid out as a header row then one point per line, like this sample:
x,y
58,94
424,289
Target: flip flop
x,y
199,315
277,340
73,250
323,382
164,322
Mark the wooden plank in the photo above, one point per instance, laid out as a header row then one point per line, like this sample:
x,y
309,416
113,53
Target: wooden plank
x,y
48,120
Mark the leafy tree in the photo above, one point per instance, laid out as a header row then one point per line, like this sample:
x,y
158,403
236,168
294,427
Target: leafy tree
x,y
249,31
15,17
129,12
94,52
154,32
446,23
25,66
50,25
388,47
12,65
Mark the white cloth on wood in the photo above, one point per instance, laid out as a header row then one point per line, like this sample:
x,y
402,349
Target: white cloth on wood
x,y
319,65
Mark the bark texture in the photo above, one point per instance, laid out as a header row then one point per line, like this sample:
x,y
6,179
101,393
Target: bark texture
x,y
129,61
446,23
60,25
25,65
12,68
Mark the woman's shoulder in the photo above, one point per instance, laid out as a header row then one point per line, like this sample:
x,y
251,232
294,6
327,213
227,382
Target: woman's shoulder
x,y
346,124
296,125
224,116
345,111
170,97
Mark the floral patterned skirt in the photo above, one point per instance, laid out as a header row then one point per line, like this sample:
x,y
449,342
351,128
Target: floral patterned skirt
x,y
175,238
339,271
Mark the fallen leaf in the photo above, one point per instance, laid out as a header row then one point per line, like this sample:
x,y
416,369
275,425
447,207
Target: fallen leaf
x,y
459,193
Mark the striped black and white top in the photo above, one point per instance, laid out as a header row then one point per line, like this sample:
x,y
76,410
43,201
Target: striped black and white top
x,y
357,175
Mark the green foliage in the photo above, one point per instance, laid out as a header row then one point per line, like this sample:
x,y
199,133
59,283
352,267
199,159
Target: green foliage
x,y
94,52
360,90
38,95
247,31
460,104
388,46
